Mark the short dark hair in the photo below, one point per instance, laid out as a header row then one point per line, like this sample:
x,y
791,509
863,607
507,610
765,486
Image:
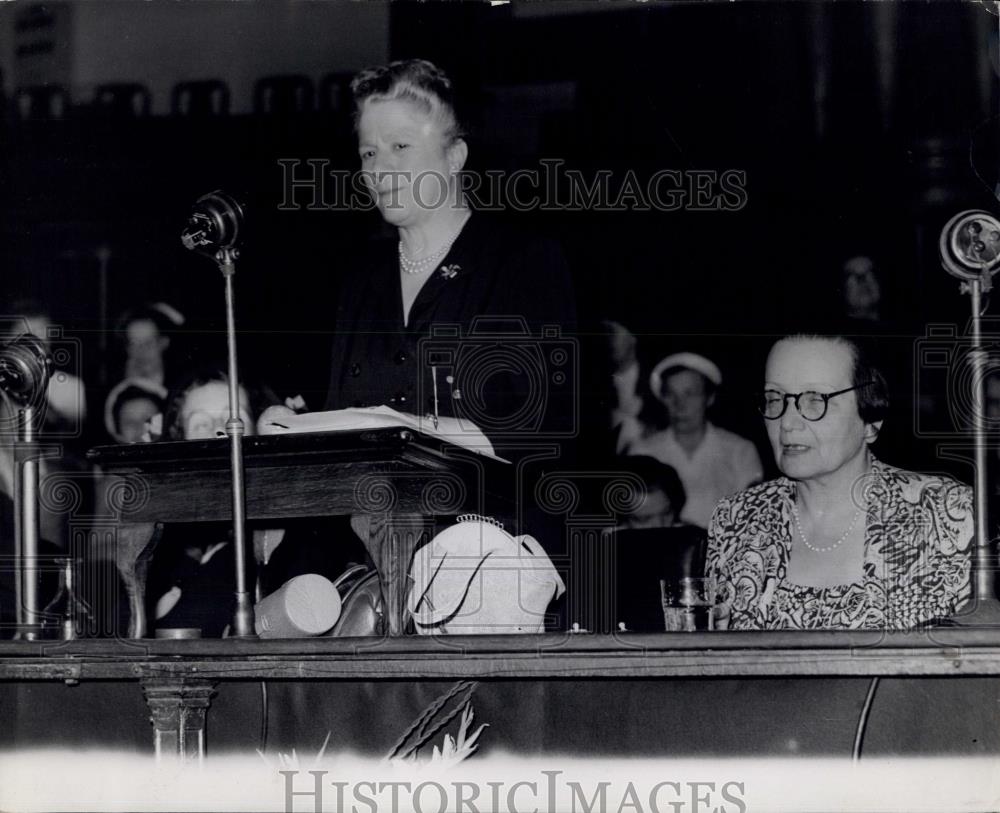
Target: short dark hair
x,y
656,474
134,393
415,80
871,388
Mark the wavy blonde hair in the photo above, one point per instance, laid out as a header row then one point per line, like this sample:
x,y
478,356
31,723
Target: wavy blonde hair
x,y
414,80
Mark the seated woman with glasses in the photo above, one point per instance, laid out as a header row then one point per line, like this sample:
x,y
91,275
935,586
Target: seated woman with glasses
x,y
842,540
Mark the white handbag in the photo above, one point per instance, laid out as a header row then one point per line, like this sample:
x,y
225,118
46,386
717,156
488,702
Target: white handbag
x,y
474,578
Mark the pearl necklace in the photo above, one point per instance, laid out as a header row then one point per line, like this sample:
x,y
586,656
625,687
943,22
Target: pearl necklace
x,y
409,266
827,548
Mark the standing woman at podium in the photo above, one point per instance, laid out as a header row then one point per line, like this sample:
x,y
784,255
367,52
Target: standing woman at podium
x,y
446,267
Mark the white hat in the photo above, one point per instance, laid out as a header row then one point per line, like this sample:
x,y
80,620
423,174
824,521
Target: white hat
x,y
687,361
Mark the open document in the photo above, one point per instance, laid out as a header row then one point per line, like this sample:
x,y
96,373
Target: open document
x,y
462,433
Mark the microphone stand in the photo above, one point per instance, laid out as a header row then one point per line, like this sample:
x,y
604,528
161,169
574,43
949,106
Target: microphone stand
x,y
985,568
25,368
26,524
970,250
243,615
213,230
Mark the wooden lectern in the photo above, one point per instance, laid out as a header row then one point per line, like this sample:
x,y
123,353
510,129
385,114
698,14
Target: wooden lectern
x,y
392,481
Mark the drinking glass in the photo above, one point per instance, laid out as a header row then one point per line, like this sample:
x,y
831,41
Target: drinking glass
x,y
688,603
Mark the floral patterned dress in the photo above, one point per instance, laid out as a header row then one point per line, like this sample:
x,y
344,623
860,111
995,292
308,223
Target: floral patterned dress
x,y
917,556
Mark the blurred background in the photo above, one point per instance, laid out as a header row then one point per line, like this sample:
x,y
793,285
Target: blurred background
x,y
860,129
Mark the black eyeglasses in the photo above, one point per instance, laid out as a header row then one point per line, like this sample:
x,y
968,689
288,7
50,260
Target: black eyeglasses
x,y
811,405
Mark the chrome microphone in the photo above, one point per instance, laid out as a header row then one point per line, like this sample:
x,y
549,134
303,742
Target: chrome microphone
x,y
970,250
213,230
214,224
25,368
970,246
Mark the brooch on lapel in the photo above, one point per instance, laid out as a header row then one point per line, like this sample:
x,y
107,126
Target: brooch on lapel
x,y
449,271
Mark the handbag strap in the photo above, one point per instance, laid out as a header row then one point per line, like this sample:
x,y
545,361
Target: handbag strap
x,y
436,614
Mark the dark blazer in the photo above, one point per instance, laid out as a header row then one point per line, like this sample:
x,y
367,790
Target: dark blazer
x,y
496,317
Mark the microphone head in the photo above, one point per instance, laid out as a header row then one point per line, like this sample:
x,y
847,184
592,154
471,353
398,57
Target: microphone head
x,y
970,245
25,368
215,223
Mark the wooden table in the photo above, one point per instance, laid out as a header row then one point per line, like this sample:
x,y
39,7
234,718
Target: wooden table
x,y
179,678
941,652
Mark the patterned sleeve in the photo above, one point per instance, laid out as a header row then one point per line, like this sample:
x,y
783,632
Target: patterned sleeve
x,y
931,575
951,547
719,534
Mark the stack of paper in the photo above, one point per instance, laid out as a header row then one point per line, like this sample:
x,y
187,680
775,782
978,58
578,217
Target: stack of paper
x,y
461,433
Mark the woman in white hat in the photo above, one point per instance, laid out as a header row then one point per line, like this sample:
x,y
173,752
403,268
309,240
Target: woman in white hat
x,y
712,462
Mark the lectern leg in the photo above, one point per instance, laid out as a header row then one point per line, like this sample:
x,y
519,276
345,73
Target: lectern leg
x,y
391,540
178,708
136,543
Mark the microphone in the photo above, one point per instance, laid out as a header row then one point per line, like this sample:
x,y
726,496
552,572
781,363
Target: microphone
x,y
970,246
214,224
25,368
970,250
213,230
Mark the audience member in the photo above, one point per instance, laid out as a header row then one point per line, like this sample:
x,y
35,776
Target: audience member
x,y
711,462
625,423
663,498
862,293
130,407
650,544
198,408
193,583
192,580
149,338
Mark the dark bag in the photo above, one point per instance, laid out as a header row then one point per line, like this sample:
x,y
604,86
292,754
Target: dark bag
x,y
361,611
